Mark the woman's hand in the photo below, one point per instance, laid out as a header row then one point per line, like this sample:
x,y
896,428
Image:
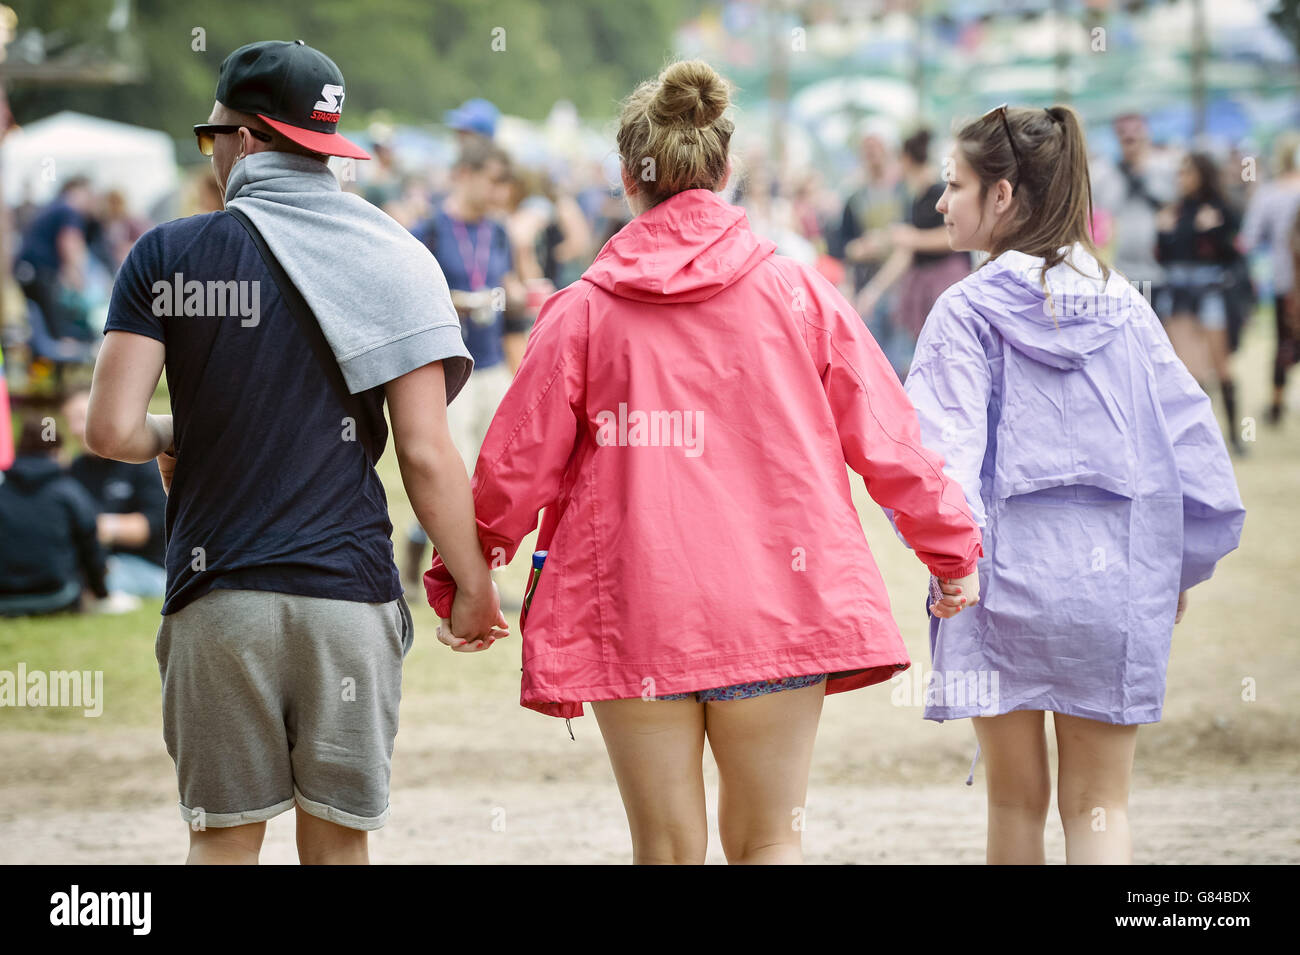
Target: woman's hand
x,y
476,621
1182,606
959,593
166,468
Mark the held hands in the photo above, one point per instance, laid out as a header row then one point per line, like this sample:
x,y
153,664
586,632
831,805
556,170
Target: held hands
x,y
476,621
959,593
166,468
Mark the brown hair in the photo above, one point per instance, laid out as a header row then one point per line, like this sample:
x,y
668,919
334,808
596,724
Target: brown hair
x,y
477,153
1053,191
672,133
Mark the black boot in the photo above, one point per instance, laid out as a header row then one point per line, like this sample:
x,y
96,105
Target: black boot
x,y
1229,388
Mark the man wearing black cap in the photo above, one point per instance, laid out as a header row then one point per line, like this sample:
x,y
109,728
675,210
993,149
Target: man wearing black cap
x,y
284,323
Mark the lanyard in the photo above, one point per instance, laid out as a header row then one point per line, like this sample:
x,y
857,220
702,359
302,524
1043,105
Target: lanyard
x,y
475,270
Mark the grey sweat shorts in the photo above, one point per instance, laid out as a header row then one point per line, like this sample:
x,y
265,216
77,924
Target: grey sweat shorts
x,y
271,699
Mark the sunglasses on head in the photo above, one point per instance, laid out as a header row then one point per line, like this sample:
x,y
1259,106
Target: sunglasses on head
x,y
1002,111
207,133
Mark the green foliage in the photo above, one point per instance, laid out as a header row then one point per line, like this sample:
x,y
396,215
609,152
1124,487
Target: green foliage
x,y
412,58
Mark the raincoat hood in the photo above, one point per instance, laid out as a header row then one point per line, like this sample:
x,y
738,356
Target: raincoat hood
x,y
686,249
1064,331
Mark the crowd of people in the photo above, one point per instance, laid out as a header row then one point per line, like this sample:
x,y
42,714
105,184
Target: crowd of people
x,y
1177,223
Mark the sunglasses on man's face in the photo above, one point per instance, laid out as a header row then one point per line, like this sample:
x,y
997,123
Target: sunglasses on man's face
x,y
207,133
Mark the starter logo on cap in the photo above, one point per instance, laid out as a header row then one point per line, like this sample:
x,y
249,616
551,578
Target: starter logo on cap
x,y
330,106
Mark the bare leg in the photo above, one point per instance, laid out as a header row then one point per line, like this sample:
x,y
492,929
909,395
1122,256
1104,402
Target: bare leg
x,y
763,747
327,843
1019,785
1096,767
234,845
1187,336
656,748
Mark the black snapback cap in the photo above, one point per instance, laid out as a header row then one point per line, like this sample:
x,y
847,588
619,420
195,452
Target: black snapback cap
x,y
295,89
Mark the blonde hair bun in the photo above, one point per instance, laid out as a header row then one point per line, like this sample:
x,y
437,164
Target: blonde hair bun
x,y
691,93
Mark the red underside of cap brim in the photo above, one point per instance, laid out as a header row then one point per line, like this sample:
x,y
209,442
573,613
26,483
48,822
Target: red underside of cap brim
x,y
331,144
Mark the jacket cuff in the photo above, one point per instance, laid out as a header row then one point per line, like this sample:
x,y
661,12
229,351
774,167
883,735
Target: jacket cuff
x,y
950,573
441,593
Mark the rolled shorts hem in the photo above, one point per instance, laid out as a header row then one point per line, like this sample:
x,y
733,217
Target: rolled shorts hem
x,y
225,820
337,816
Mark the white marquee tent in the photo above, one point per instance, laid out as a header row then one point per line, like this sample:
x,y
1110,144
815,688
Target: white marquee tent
x,y
42,154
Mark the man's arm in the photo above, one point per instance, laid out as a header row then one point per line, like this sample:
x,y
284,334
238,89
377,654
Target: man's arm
x,y
435,479
118,423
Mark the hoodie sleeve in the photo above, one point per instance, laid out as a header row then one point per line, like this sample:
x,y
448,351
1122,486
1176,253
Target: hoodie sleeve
x,y
530,440
1213,514
881,439
950,384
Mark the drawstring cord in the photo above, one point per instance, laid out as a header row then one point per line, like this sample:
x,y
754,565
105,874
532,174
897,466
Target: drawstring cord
x,y
970,780
569,727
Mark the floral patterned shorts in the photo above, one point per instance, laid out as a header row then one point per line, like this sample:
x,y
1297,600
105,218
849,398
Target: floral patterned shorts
x,y
743,691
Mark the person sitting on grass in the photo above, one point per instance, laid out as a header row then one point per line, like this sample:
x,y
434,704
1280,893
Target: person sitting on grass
x,y
48,542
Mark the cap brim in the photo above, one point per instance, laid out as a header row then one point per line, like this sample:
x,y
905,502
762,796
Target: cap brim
x,y
331,144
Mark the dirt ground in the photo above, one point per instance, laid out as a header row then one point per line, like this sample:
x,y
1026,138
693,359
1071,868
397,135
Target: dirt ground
x,y
112,800
478,779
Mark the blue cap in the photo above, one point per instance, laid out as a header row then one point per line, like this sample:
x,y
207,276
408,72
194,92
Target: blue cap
x,y
474,116
539,558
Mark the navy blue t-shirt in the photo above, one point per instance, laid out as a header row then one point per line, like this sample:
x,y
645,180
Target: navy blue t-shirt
x,y
272,490
40,241
487,247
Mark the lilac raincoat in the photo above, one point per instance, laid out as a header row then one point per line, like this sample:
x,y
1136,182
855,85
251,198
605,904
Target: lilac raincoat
x,y
1094,464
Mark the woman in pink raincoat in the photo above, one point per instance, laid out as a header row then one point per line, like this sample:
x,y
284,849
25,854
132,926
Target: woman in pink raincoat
x,y
684,413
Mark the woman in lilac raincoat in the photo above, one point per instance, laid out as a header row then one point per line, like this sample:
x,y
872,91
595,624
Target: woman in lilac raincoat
x,y
1093,463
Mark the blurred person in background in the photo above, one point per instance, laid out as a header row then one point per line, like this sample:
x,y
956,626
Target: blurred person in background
x,y
201,194
118,230
53,257
382,181
473,250
1196,246
1269,222
921,258
132,510
566,241
473,120
49,546
862,241
1132,191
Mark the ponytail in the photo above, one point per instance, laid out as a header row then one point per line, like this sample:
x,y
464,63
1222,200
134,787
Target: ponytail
x,y
1053,191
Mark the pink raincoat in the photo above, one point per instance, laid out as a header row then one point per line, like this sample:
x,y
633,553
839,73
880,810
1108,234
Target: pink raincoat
x,y
684,413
